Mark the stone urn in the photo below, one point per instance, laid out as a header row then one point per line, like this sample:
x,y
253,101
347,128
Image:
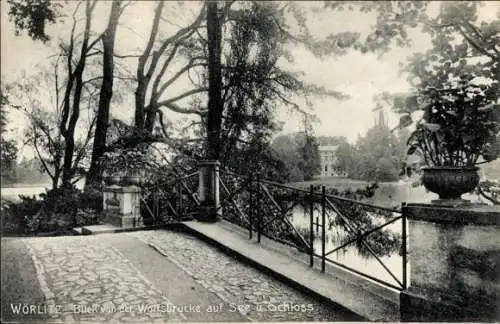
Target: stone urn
x,y
450,183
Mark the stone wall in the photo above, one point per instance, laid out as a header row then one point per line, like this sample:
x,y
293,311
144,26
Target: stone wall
x,y
454,255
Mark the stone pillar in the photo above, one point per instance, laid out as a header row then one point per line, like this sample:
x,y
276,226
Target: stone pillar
x,y
122,205
454,255
208,191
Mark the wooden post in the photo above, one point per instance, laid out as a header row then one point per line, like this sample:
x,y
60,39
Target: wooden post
x,y
404,252
259,211
179,197
251,206
311,226
323,222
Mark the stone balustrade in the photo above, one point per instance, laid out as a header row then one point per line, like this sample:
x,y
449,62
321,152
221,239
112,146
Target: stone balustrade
x,y
454,256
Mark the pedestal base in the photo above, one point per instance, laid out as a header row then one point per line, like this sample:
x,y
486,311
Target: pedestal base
x,y
208,192
207,214
125,220
122,206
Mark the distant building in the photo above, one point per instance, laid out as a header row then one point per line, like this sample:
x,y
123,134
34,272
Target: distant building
x,y
328,161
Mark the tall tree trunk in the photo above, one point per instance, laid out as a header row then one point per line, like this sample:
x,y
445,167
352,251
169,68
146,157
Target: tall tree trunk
x,y
69,137
68,131
144,75
99,146
150,119
140,100
55,179
214,81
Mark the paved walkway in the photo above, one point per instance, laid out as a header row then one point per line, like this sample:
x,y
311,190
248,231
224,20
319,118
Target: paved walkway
x,y
260,297
363,297
150,276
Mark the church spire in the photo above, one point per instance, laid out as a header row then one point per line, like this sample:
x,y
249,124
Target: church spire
x,y
381,118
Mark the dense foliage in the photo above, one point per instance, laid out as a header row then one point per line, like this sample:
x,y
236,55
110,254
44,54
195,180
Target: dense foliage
x,y
460,124
376,156
456,88
299,153
57,212
33,17
8,148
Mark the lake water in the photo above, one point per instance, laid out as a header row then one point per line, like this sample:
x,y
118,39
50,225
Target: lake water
x,y
13,191
350,257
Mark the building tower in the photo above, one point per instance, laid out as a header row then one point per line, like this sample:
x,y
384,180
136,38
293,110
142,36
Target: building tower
x,y
382,121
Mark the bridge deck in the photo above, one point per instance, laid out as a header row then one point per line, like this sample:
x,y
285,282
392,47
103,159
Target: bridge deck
x,y
361,296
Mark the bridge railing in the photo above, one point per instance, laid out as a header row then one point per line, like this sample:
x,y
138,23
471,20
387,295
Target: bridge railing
x,y
267,208
172,201
370,241
250,203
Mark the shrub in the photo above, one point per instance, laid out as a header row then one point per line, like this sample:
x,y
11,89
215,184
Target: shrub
x,y
57,211
91,199
43,222
87,216
386,170
61,200
9,222
16,214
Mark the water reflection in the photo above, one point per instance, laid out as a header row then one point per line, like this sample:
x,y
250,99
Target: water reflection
x,y
350,256
13,191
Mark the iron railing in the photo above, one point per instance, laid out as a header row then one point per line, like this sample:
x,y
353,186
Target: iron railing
x,y
359,236
250,202
265,208
173,201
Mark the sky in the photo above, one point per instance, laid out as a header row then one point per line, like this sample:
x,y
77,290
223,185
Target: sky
x,y
361,76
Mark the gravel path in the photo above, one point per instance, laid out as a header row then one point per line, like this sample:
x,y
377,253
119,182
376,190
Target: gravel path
x,y
258,296
85,279
148,276
19,284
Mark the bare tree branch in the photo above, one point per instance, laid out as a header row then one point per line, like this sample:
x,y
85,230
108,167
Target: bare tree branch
x,y
175,108
475,45
152,37
39,154
155,95
190,65
182,96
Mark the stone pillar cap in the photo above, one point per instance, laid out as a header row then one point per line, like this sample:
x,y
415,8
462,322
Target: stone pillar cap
x,y
462,215
130,189
208,162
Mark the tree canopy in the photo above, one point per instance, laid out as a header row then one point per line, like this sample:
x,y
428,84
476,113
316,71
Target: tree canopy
x,y
8,148
255,39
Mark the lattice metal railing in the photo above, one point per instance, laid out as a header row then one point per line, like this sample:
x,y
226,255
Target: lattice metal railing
x,y
266,208
172,201
370,241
